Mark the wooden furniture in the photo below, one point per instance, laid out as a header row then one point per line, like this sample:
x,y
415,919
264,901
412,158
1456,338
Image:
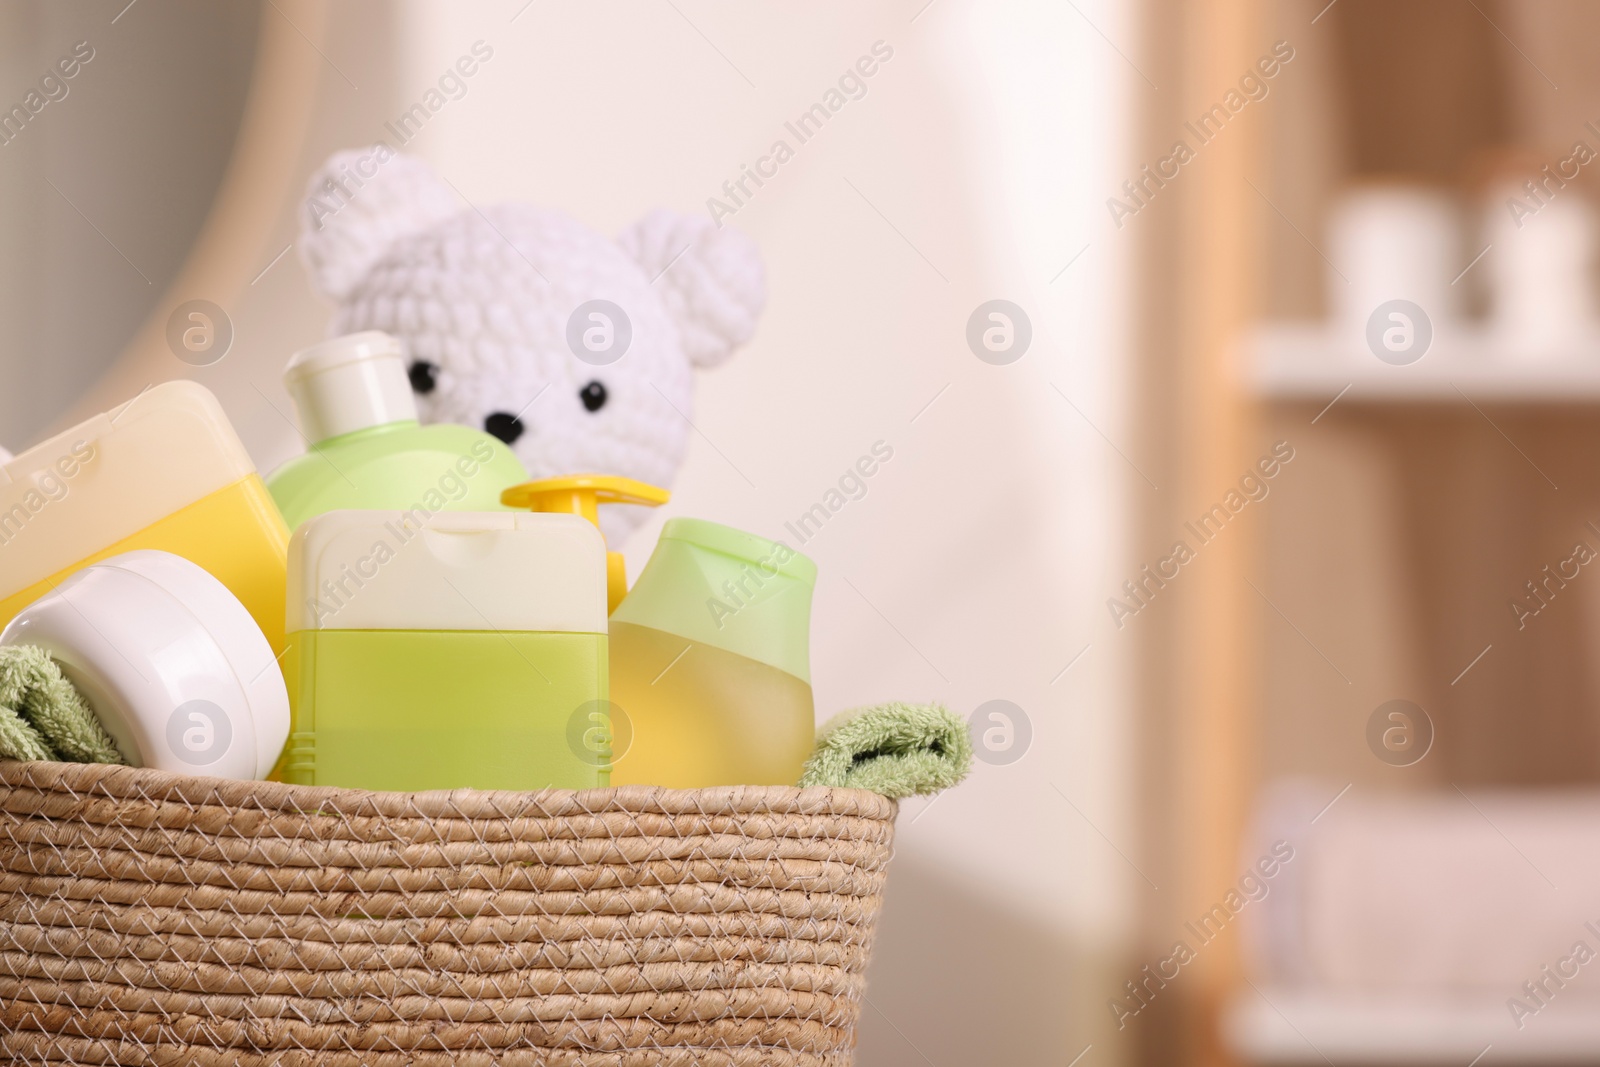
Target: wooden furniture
x,y
1422,499
1200,289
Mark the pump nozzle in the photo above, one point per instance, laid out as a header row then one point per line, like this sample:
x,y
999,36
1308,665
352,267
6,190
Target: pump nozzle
x,y
582,494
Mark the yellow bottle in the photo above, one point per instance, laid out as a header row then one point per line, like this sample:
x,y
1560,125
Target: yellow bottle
x,y
710,662
710,652
164,471
694,715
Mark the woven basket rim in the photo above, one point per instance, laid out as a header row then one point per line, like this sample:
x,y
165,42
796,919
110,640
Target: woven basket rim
x,y
153,917
119,783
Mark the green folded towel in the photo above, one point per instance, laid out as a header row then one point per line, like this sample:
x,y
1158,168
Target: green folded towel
x,y
42,717
899,750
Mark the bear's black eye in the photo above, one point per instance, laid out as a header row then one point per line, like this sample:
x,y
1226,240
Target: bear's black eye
x,y
424,376
593,396
506,427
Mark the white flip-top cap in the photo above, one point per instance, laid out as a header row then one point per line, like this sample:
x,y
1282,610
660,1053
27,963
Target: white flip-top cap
x,y
350,383
452,570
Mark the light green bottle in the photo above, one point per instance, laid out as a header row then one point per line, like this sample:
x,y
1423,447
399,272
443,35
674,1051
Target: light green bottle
x,y
463,650
368,451
710,662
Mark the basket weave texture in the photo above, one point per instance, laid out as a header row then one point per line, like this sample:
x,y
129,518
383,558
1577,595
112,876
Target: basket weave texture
x,y
150,918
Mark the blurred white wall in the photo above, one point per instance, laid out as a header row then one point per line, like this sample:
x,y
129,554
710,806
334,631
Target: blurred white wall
x,y
975,568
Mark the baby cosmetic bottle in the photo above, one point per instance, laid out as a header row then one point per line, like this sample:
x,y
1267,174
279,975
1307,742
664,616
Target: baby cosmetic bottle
x,y
366,447
710,662
163,471
466,649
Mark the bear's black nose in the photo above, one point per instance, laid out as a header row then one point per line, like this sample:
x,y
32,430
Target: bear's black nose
x,y
506,427
424,376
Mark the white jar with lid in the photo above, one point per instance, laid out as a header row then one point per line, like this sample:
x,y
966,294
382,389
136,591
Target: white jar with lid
x,y
169,660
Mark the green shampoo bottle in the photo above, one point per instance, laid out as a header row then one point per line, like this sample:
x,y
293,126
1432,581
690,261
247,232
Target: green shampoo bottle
x,y
462,650
367,449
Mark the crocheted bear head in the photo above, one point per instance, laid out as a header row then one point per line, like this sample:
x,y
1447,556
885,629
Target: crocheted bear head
x,y
576,350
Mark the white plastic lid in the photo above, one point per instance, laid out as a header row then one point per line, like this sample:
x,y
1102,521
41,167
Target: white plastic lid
x,y
169,660
451,570
350,383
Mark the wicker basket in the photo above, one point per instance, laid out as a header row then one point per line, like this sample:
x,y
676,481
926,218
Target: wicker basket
x,y
149,918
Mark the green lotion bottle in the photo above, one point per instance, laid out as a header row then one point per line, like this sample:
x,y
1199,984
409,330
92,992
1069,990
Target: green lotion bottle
x,y
367,449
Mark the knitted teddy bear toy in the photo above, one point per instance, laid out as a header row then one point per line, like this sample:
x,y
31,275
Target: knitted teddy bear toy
x,y
576,350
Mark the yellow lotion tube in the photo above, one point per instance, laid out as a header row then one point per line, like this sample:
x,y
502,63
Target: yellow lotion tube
x,y
164,471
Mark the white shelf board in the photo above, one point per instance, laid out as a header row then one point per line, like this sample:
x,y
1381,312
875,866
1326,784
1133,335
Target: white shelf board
x,y
1296,1026
1308,362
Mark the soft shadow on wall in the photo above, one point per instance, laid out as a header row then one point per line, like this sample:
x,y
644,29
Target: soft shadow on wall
x,y
106,185
941,941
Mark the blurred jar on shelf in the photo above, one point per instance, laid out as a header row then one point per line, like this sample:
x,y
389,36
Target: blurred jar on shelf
x,y
1393,240
1540,228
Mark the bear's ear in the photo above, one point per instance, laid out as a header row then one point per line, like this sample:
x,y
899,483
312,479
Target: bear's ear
x,y
710,279
358,204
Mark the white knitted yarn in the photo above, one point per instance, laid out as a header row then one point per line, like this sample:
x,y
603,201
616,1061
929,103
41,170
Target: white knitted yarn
x,y
357,205
711,279
486,297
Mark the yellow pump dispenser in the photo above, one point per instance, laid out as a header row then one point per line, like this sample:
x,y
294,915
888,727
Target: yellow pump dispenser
x,y
582,494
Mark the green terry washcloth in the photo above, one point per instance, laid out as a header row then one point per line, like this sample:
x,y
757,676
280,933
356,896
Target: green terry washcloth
x,y
899,750
42,717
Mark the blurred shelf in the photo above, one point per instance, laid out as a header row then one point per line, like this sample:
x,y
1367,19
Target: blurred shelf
x,y
1292,1026
1307,362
